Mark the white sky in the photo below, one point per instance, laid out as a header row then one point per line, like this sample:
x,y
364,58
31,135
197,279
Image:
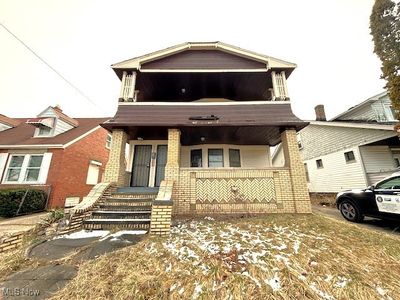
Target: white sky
x,y
329,40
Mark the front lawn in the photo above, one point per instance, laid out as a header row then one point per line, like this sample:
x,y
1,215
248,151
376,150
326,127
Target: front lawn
x,y
275,257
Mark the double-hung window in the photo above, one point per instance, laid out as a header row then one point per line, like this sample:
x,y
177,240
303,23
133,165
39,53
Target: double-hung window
x,y
24,168
234,158
215,158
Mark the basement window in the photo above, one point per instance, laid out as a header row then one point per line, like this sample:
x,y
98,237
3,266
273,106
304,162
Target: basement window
x,y
349,156
320,165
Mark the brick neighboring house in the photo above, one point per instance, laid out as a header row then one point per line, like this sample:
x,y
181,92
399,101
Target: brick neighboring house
x,y
62,155
200,119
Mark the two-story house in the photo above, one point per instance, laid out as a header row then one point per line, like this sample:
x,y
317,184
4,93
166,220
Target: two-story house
x,y
355,149
61,155
204,116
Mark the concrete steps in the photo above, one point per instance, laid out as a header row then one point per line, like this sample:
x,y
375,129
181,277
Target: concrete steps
x,y
123,210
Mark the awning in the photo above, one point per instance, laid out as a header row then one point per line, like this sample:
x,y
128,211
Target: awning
x,y
48,122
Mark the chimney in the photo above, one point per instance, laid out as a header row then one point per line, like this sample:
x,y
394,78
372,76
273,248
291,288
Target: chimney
x,y
58,108
320,113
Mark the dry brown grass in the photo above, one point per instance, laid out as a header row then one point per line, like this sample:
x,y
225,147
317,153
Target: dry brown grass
x,y
334,260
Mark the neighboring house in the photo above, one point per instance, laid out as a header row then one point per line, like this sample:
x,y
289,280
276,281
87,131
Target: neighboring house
x,y
355,149
61,155
204,116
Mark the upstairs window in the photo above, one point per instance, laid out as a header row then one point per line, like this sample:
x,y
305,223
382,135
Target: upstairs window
x,y
299,144
215,158
307,174
349,156
320,165
44,131
234,158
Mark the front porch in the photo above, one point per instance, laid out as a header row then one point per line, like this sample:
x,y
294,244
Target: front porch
x,y
215,178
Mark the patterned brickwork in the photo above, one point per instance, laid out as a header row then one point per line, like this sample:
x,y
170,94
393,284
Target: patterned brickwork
x,y
116,166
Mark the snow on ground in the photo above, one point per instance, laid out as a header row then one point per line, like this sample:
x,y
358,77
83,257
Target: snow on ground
x,y
101,234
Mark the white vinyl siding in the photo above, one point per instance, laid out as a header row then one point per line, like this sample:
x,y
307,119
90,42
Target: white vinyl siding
x,y
4,127
318,140
61,127
93,174
336,175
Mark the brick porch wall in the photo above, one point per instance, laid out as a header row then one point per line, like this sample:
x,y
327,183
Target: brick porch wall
x,y
116,166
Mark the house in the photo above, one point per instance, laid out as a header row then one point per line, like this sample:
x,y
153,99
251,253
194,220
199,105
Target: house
x,y
61,155
355,149
202,117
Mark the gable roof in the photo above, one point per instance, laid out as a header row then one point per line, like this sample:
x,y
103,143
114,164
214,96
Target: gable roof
x,y
59,113
8,121
360,105
21,136
137,62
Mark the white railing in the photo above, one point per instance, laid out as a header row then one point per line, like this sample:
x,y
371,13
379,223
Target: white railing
x,y
279,85
128,87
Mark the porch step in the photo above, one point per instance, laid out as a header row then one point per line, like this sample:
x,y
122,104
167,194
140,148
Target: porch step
x,y
128,202
116,223
119,207
121,214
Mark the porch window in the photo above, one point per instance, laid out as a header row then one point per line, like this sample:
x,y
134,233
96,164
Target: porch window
x,y
234,158
196,158
108,141
215,158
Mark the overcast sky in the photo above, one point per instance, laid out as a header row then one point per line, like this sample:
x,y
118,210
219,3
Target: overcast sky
x,y
329,40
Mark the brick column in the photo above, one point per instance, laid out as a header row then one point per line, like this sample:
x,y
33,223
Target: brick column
x,y
116,165
297,173
174,152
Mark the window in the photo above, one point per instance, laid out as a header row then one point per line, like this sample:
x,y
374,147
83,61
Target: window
x,y
299,144
349,156
15,168
396,162
320,165
392,183
33,169
196,158
215,158
307,175
93,172
108,141
24,168
44,131
234,157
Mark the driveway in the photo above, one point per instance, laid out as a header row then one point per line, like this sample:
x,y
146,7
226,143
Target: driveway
x,y
371,223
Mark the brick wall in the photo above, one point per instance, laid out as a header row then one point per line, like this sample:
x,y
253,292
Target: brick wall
x,y
69,167
116,166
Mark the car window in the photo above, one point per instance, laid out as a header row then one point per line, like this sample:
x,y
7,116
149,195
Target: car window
x,y
390,184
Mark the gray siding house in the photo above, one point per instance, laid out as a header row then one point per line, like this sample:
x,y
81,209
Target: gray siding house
x,y
355,149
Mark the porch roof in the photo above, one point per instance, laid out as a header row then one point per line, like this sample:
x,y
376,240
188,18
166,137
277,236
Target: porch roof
x,y
250,123
205,115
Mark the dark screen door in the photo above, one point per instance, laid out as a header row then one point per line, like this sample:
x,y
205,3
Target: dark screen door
x,y
141,165
161,162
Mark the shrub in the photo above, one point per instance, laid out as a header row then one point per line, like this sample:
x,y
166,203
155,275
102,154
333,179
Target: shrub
x,y
10,200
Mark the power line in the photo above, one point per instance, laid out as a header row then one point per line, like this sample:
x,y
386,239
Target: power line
x,y
49,66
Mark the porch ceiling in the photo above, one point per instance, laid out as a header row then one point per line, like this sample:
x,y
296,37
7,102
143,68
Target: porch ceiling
x,y
237,135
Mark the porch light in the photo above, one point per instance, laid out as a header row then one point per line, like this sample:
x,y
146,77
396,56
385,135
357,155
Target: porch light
x,y
183,91
140,138
202,138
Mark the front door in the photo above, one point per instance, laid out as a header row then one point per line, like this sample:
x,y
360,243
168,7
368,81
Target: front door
x,y
141,165
161,162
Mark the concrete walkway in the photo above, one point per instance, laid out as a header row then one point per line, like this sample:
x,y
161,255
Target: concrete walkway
x,y
389,227
22,223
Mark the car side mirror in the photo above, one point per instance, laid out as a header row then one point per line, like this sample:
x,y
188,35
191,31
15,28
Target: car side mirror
x,y
371,188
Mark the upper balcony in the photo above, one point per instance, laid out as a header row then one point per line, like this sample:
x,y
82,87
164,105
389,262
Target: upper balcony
x,y
198,71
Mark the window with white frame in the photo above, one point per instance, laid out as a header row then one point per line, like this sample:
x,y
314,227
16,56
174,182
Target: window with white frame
x,y
93,172
108,141
24,168
349,156
44,131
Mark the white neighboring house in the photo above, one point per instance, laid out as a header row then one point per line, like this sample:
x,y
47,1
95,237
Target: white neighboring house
x,y
355,149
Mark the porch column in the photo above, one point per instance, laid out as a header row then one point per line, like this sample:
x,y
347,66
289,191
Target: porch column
x,y
173,157
116,165
293,161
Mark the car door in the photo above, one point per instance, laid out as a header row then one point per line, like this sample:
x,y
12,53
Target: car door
x,y
387,196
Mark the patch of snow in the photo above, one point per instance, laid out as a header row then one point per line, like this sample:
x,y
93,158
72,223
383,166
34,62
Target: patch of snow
x,y
209,218
313,263
197,290
84,234
115,236
328,278
274,283
296,246
173,287
302,277
168,268
180,292
246,274
342,282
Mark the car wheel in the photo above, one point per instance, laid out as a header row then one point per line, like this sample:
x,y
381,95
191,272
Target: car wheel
x,y
350,211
